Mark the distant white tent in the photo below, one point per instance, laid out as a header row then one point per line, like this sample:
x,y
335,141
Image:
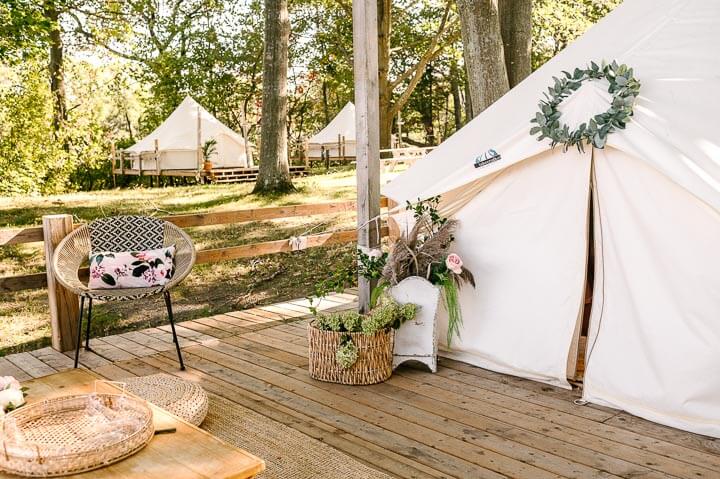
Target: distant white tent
x,y
178,142
654,195
338,136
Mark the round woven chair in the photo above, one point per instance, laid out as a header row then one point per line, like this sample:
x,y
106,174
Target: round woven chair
x,y
117,234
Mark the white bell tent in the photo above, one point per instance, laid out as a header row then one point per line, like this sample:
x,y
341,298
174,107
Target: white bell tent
x,y
180,137
653,194
338,137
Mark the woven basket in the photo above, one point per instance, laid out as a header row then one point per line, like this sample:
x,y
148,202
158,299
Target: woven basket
x,y
374,363
60,438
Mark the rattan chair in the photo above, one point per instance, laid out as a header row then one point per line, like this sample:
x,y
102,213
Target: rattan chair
x,y
121,233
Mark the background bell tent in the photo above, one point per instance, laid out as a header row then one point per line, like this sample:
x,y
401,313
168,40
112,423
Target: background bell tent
x,y
179,140
633,227
337,138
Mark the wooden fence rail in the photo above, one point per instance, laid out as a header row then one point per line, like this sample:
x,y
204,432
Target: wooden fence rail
x,y
34,234
63,305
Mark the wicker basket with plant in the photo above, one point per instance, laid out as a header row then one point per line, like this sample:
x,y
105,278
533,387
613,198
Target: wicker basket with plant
x,y
351,348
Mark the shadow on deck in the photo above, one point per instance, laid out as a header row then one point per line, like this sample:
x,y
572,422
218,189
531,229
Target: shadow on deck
x,y
462,421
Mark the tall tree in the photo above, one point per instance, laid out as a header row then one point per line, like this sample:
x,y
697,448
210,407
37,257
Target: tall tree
x,y
274,174
392,96
57,78
483,52
516,31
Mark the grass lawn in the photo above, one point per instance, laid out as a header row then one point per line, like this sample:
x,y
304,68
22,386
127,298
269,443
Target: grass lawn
x,y
211,288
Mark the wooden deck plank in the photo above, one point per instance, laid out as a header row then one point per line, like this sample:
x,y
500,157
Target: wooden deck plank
x,y
403,410
147,340
108,350
131,347
247,316
364,451
682,438
34,367
88,359
53,358
9,369
282,309
581,432
202,327
442,461
442,443
461,422
583,456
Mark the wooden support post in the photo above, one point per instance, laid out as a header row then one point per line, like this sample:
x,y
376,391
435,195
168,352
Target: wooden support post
x,y
306,154
122,163
113,159
157,160
367,121
64,306
199,145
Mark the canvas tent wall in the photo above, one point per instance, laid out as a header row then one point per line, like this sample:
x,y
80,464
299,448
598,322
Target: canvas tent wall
x,y
338,136
654,195
177,139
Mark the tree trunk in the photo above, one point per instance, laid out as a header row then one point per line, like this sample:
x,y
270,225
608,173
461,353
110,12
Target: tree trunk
x,y
274,170
384,16
516,31
57,79
456,97
483,52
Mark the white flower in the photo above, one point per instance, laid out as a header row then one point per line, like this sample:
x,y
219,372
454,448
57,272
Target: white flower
x,y
11,397
375,253
8,382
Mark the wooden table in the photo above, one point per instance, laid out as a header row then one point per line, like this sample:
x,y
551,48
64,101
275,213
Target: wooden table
x,y
188,453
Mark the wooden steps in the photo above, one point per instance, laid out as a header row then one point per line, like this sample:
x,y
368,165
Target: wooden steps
x,y
241,175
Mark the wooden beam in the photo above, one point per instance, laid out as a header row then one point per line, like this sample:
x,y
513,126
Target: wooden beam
x,y
367,121
64,307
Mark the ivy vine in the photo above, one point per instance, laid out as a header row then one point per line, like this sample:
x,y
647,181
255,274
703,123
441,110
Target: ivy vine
x,y
624,88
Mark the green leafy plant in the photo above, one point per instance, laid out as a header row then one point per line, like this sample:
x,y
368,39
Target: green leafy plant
x,y
208,148
624,88
369,266
425,252
388,313
347,353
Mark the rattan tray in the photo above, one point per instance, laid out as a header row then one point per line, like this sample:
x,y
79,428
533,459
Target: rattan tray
x,y
74,434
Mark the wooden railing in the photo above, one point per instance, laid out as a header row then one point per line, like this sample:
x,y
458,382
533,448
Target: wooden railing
x,y
51,235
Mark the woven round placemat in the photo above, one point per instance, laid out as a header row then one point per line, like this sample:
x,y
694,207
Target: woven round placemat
x,y
288,454
182,398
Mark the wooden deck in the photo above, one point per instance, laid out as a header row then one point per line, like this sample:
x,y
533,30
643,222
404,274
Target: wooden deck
x,y
462,422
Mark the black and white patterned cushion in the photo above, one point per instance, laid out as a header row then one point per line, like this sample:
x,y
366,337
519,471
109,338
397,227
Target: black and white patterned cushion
x,y
126,233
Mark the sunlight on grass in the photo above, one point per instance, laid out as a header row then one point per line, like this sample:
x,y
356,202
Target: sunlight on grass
x,y
211,288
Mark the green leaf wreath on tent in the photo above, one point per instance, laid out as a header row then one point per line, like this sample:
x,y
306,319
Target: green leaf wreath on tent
x,y
624,88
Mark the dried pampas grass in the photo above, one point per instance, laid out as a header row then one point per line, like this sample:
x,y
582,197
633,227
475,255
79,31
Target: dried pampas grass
x,y
415,254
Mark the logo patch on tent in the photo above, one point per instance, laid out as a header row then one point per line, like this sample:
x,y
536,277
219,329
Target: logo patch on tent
x,y
486,158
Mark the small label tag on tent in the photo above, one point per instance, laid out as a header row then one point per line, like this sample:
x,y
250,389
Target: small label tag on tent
x,y
486,158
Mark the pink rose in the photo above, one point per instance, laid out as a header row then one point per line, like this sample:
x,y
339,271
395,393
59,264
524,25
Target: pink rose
x,y
454,263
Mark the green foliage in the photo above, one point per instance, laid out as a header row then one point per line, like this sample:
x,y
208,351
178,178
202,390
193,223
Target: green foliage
x,y
624,89
450,295
387,314
556,23
23,30
347,353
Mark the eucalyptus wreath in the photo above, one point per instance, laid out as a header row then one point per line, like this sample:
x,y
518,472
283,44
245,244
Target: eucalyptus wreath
x,y
624,88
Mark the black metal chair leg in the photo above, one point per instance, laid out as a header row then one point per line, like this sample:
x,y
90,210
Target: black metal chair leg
x,y
168,304
87,328
79,335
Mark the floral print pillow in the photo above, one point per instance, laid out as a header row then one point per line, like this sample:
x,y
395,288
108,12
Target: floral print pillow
x,y
134,269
